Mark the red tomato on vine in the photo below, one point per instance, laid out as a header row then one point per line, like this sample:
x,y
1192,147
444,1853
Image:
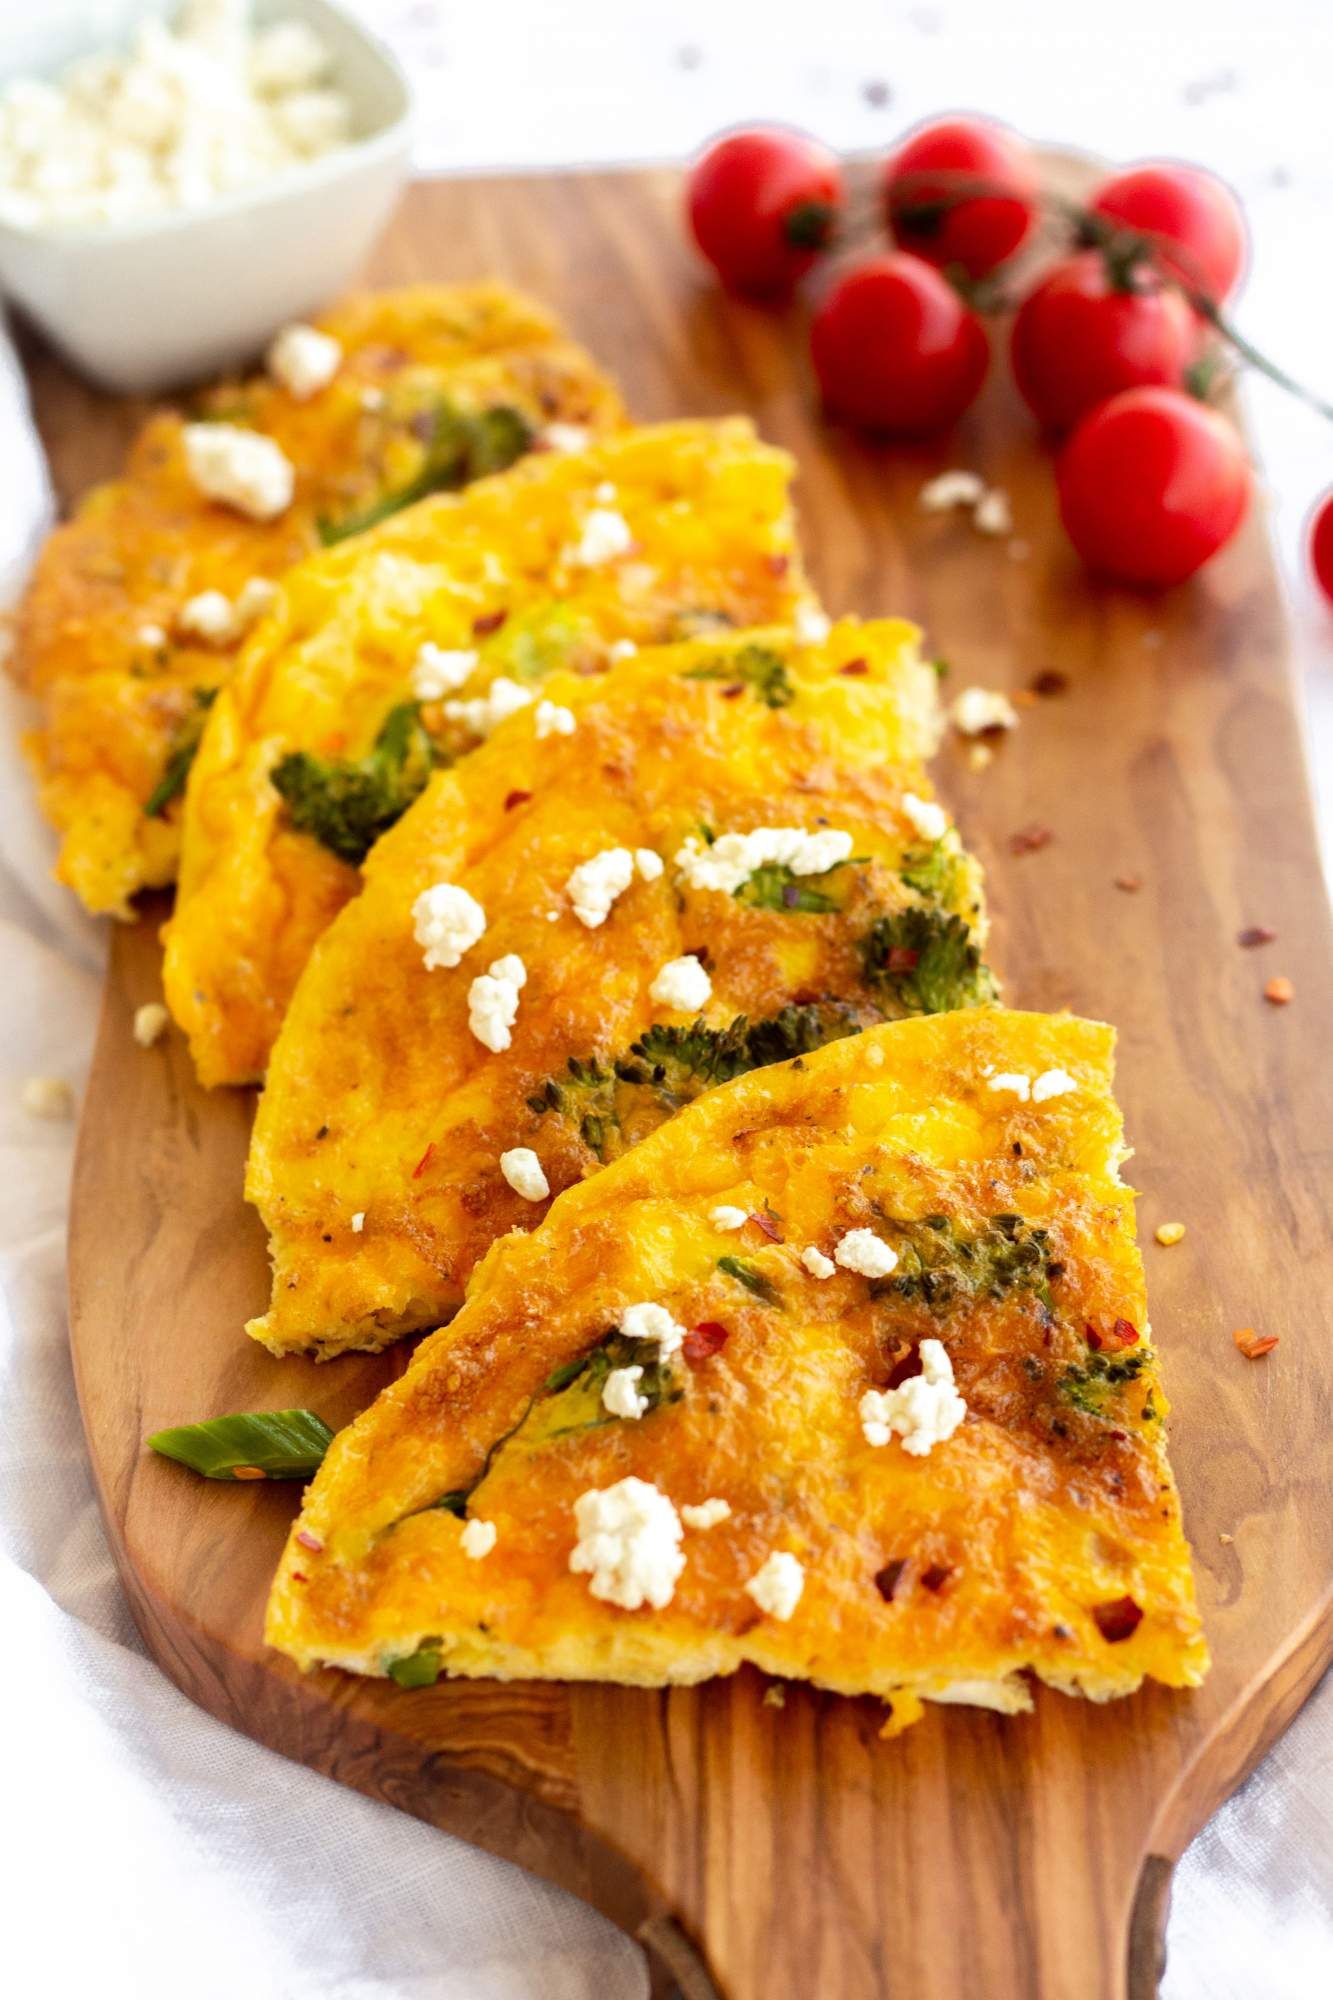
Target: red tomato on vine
x,y
929,209
763,204
1192,217
1082,334
895,349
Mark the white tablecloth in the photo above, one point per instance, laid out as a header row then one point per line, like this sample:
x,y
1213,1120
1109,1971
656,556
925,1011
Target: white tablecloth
x,y
150,1853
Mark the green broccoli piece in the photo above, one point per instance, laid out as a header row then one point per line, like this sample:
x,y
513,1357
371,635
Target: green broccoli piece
x,y
347,803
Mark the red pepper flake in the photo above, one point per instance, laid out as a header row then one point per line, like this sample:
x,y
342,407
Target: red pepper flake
x,y
1030,839
309,1541
888,1578
902,958
936,1577
778,565
1131,884
736,688
854,668
766,1220
1120,1619
1123,1334
248,1472
490,621
513,799
299,1576
425,1160
1254,1345
1050,681
1254,934
1279,992
704,1341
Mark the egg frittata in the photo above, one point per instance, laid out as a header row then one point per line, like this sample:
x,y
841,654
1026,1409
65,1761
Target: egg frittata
x,y
138,604
393,655
721,854
844,1371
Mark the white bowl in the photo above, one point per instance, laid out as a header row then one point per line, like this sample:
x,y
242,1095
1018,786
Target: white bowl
x,y
147,305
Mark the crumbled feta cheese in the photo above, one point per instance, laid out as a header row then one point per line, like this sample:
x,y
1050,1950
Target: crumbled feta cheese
x,y
993,514
446,922
606,535
553,720
628,1544
978,709
253,599
862,1251
776,1587
724,1216
648,864
816,1263
439,670
503,698
304,360
952,489
682,984
477,1539
708,1514
186,113
811,625
596,883
566,437
924,1410
651,1322
150,1023
621,1397
1052,1083
492,1002
1012,1081
47,1097
623,649
240,469
209,616
524,1173
925,817
358,1221
151,636
733,857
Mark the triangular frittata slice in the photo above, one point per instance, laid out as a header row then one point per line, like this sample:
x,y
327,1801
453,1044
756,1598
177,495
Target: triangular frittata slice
x,y
139,603
403,650
718,855
846,1372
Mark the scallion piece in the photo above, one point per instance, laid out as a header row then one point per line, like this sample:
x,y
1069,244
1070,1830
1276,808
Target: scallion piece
x,y
264,1444
417,1670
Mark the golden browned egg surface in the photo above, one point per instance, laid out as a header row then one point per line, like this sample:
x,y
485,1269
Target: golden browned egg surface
x,y
101,639
566,561
377,1153
1041,1534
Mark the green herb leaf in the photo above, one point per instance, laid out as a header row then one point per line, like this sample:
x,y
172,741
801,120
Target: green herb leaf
x,y
927,959
347,803
420,1669
1091,1385
462,446
280,1444
935,872
939,1264
755,667
181,755
753,1281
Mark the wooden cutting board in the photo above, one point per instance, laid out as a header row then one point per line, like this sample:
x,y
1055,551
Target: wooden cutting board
x,y
787,1849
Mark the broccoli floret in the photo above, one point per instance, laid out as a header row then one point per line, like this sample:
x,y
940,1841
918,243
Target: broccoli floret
x,y
347,803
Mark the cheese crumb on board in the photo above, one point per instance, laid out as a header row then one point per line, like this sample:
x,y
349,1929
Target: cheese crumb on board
x,y
150,1023
924,1411
628,1544
979,709
47,1097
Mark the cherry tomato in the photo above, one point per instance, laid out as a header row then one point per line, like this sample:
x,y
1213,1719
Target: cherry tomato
x,y
1321,545
895,349
936,165
1079,337
1186,210
1151,484
763,204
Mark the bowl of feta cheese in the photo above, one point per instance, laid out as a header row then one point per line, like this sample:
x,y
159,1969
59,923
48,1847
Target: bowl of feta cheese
x,y
192,178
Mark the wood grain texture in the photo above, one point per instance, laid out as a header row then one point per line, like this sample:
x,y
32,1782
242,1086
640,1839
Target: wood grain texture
x,y
1006,1857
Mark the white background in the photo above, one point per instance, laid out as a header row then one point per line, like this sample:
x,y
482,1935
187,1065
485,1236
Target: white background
x,y
148,1853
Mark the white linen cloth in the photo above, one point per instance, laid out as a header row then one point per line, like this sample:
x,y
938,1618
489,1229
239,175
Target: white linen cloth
x,y
154,1852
